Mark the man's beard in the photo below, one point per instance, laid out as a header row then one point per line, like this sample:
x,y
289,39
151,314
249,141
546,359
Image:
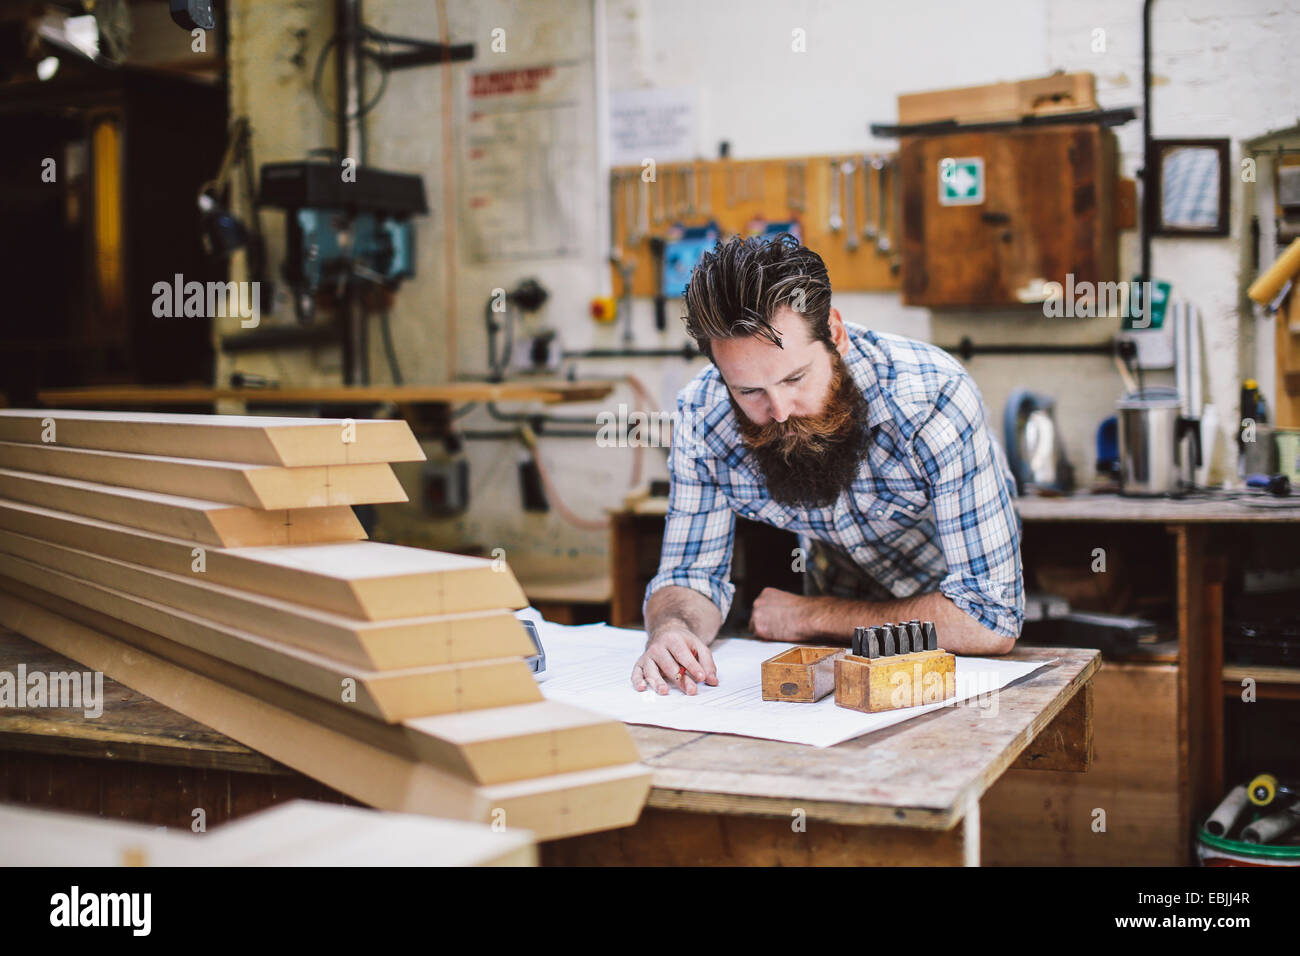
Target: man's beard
x,y
807,461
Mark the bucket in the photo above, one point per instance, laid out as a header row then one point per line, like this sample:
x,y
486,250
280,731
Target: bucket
x,y
1220,851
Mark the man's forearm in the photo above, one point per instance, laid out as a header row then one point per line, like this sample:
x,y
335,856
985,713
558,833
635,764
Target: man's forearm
x,y
958,631
684,607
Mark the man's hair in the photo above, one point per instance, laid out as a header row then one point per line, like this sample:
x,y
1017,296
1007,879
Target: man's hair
x,y
737,288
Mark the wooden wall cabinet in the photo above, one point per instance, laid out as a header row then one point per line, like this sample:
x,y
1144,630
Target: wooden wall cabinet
x,y
1048,211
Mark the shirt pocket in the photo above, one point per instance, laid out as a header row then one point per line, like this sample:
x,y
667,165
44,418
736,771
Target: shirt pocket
x,y
893,506
764,510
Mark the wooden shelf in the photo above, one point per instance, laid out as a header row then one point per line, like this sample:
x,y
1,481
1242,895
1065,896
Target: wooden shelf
x,y
1087,507
1271,682
1111,508
551,391
1264,673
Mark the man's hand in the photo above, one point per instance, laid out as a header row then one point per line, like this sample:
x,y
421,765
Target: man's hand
x,y
780,616
674,656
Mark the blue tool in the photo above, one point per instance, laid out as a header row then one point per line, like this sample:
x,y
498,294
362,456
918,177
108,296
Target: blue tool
x,y
1279,485
682,254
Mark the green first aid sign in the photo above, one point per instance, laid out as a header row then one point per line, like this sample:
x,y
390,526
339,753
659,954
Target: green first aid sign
x,y
961,181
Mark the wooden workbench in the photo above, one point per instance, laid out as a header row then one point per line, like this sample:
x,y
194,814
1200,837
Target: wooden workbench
x,y
1160,731
138,761
908,794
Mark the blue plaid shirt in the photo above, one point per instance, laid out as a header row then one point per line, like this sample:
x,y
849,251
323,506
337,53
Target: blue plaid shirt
x,y
931,508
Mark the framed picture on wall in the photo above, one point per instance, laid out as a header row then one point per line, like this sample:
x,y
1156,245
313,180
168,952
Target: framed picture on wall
x,y
1190,186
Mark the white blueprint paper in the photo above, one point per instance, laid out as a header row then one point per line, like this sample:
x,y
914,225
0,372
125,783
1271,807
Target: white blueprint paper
x,y
591,666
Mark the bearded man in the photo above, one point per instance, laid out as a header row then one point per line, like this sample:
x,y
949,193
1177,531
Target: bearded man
x,y
872,448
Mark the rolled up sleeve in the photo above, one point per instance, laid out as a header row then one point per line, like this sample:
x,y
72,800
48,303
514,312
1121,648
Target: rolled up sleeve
x,y
976,522
699,531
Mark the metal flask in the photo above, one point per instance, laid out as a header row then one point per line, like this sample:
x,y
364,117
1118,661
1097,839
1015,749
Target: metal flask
x,y
1158,445
1035,451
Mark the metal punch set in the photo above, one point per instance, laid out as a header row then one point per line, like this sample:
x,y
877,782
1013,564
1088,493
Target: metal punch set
x,y
889,640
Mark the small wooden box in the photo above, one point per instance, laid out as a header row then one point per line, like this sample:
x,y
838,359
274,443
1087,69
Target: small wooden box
x,y
891,683
801,674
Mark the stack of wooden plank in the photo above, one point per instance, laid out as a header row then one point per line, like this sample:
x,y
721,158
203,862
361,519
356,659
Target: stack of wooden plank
x,y
214,564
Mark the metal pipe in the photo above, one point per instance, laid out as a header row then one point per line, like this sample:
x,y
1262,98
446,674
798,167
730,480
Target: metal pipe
x,y
686,351
347,25
1149,198
513,435
966,349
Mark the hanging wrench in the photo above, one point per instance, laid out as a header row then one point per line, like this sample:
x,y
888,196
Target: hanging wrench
x,y
643,206
656,201
629,210
883,244
849,168
896,263
868,226
615,249
834,222
793,194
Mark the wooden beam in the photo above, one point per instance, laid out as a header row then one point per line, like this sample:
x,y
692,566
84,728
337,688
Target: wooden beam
x,y
555,806
1200,704
531,390
268,487
496,745
298,833
368,580
389,696
203,522
250,439
369,645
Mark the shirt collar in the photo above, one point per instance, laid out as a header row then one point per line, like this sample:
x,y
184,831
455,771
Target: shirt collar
x,y
862,366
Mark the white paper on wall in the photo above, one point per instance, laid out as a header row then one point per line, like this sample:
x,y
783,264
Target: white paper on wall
x,y
658,124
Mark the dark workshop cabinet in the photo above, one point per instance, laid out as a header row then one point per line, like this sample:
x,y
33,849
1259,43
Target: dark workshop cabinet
x,y
80,256
1048,210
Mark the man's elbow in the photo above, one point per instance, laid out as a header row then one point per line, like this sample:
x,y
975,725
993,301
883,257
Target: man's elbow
x,y
980,640
973,636
998,644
